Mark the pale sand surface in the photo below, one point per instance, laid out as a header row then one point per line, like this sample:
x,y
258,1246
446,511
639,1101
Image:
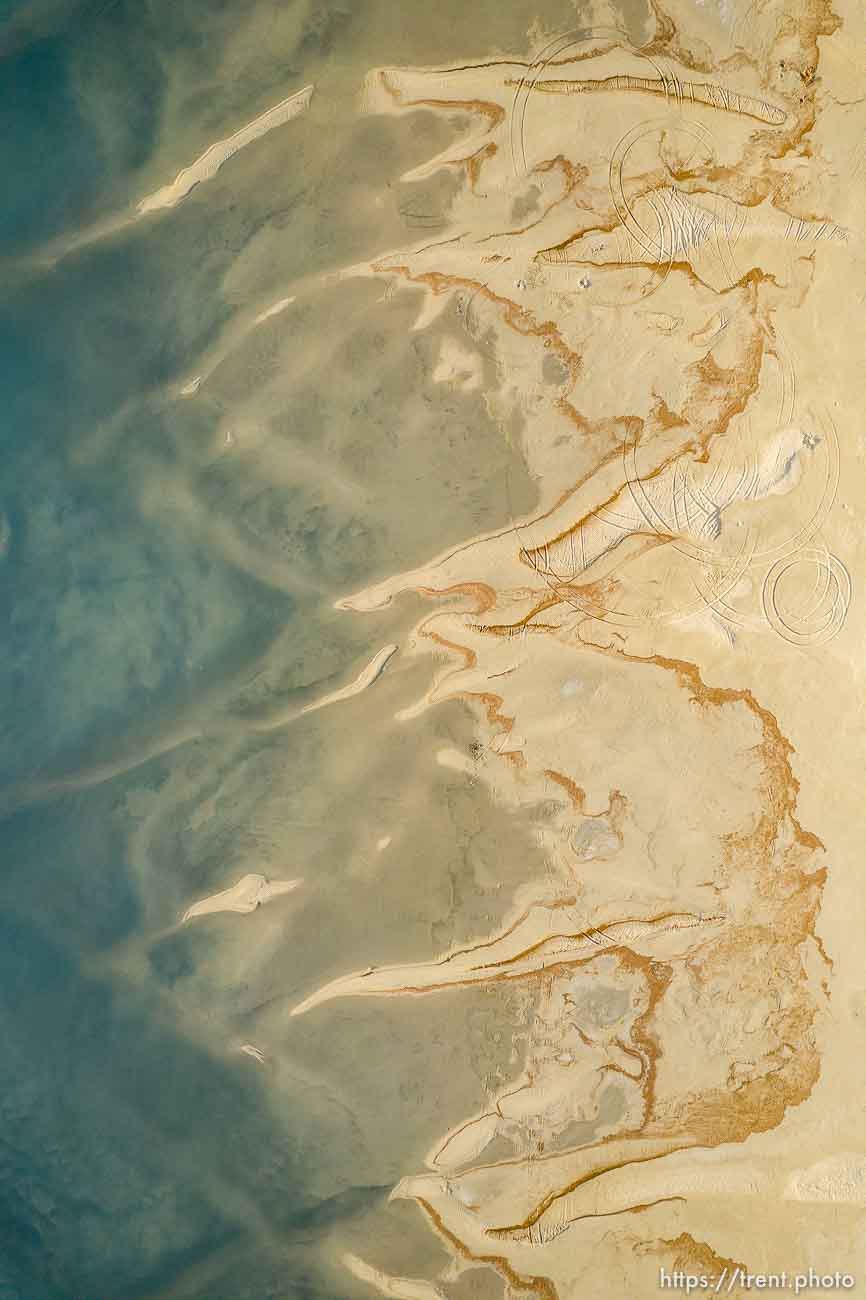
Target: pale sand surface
x,y
251,1050
366,677
274,310
250,892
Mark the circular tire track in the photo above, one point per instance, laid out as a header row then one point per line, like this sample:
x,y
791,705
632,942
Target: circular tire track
x,y
726,223
547,55
817,620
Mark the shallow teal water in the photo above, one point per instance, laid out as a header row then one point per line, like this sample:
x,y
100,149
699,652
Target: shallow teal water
x,y
157,593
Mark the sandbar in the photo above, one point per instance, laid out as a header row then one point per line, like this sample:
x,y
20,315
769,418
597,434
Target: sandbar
x,y
208,164
250,892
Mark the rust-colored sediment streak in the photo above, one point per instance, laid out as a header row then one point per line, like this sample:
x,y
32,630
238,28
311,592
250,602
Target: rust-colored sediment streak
x,y
476,161
776,855
524,624
575,793
607,932
690,1256
633,1054
667,41
541,1238
483,594
493,113
468,655
488,699
540,1286
518,318
573,175
715,395
518,1230
671,89
781,787
657,978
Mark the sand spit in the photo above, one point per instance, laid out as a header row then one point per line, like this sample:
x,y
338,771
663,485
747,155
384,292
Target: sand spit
x,y
273,310
250,892
207,166
249,1049
368,675
538,941
400,1288
693,92
366,678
